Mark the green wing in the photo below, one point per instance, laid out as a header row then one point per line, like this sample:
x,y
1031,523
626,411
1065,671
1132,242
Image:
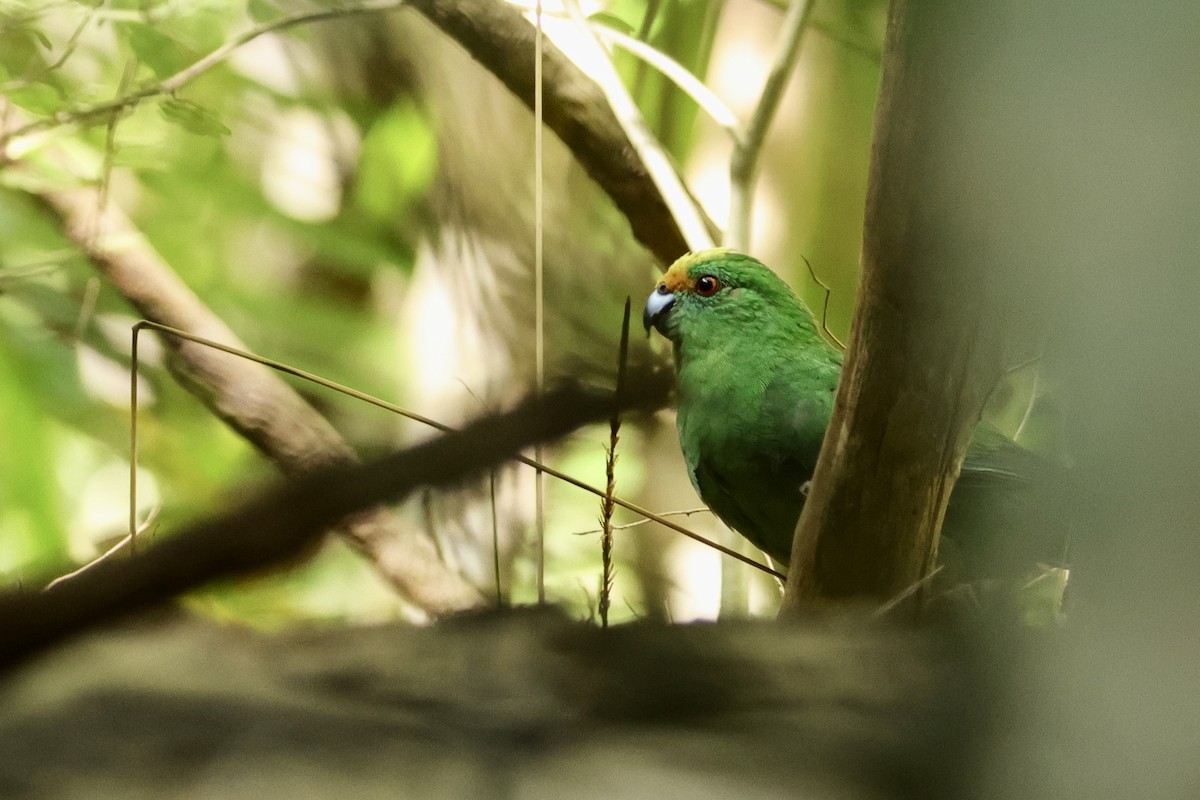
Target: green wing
x,y
753,471
1003,516
760,507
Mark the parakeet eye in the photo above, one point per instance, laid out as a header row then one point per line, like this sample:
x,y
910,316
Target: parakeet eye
x,y
707,285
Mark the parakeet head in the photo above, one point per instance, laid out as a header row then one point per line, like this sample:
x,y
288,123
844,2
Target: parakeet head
x,y
711,289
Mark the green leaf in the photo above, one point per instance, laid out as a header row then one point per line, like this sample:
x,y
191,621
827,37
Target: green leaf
x,y
37,97
263,11
162,54
396,163
200,29
41,38
17,50
194,118
610,20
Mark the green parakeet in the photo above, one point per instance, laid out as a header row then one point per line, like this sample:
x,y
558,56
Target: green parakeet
x,y
756,383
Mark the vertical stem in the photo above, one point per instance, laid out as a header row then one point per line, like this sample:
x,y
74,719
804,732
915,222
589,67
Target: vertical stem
x,y
743,165
133,436
495,538
607,503
538,288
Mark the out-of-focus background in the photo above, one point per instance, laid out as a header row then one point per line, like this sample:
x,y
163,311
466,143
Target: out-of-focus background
x,y
355,197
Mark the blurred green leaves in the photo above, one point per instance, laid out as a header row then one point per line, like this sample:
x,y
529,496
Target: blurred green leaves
x,y
188,168
193,117
681,29
396,164
163,54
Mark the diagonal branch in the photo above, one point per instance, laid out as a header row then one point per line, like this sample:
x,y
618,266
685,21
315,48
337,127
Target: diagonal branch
x,y
282,522
499,37
250,398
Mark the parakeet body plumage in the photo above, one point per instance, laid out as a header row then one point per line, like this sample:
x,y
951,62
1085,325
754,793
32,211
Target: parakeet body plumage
x,y
756,383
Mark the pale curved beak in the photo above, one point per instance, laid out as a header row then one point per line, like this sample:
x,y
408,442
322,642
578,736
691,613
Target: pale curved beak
x,y
658,306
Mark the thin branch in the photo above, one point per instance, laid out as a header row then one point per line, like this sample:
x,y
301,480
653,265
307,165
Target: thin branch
x,y
744,163
1028,415
86,113
495,539
282,522
648,382
873,51
660,519
255,403
870,51
912,589
539,294
500,38
73,40
824,307
687,512
125,541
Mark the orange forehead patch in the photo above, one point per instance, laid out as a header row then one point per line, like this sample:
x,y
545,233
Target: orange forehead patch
x,y
676,279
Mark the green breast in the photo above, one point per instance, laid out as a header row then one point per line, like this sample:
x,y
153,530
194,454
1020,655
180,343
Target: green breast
x,y
751,429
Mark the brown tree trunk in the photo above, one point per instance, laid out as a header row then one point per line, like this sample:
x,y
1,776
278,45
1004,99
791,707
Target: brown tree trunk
x,y
924,350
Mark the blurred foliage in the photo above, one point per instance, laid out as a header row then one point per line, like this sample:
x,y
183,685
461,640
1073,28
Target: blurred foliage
x,y
295,209
681,29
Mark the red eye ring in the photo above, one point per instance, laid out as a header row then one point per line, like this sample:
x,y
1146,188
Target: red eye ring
x,y
707,285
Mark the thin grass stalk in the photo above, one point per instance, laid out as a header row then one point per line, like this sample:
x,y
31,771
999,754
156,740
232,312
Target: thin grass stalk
x,y
539,292
607,504
495,537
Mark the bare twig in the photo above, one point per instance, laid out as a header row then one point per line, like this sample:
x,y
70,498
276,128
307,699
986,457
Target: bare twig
x,y
1033,396
125,541
495,537
871,51
68,49
501,39
915,587
687,512
743,167
539,298
679,75
825,306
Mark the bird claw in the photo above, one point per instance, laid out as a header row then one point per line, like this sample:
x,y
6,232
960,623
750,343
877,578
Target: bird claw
x,y
804,488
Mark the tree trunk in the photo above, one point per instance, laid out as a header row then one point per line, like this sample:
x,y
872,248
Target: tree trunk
x,y
924,350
